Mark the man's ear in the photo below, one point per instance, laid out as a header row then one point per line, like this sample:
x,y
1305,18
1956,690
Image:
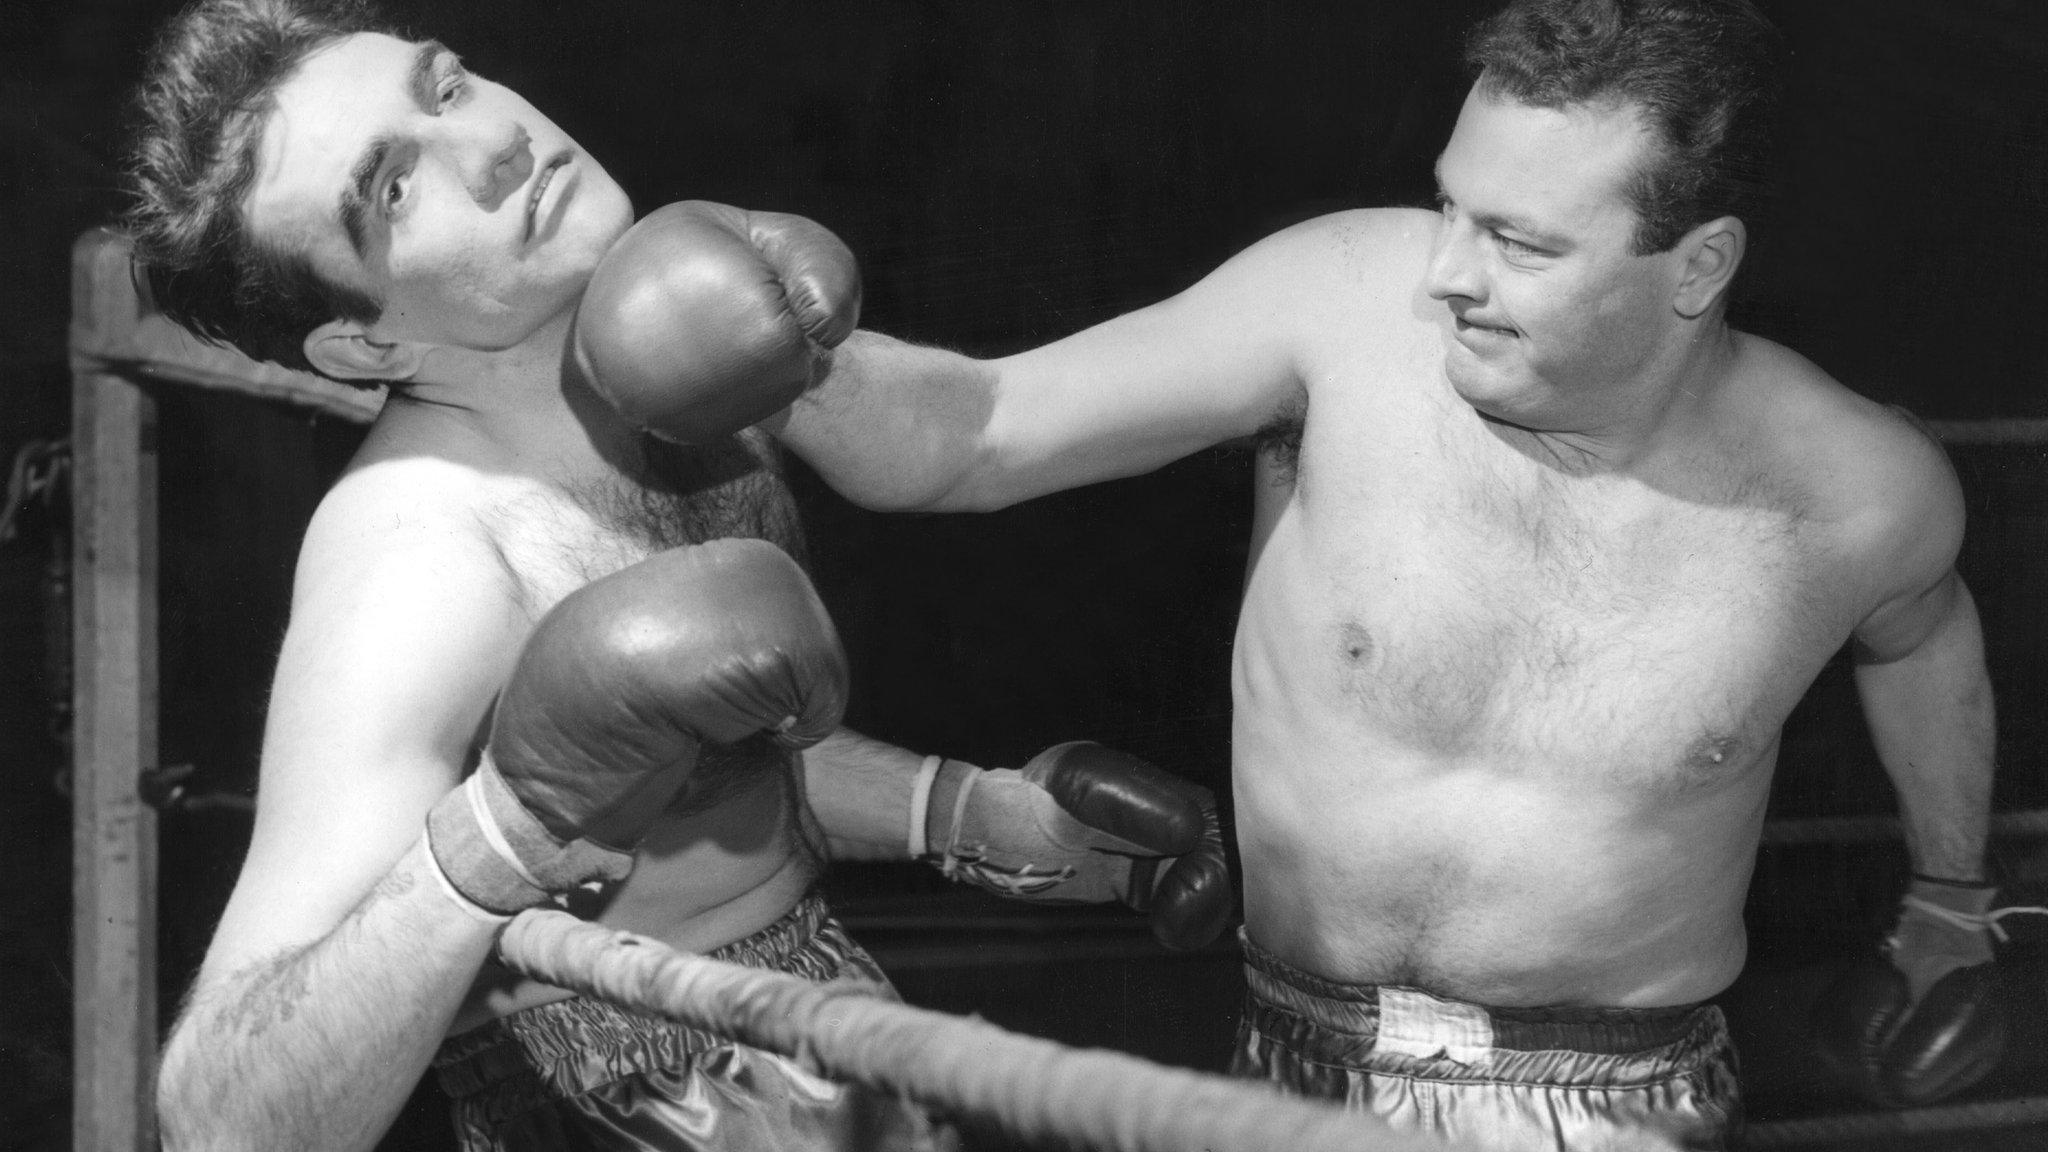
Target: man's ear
x,y
1713,251
345,350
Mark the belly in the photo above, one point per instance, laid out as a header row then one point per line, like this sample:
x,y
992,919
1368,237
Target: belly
x,y
1487,796
1498,886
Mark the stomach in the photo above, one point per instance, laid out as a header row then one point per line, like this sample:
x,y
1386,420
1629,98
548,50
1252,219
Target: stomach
x,y
1496,880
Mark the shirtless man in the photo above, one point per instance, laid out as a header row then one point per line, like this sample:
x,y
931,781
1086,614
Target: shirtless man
x,y
333,197
1543,554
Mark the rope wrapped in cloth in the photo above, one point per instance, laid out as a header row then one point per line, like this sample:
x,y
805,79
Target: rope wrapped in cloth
x,y
1032,1089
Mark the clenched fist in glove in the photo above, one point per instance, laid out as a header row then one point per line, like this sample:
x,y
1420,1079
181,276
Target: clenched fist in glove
x,y
600,724
703,318
1081,823
1923,1022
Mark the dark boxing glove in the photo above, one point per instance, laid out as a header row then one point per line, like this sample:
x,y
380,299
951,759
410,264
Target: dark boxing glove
x,y
703,318
1923,1022
1081,823
618,687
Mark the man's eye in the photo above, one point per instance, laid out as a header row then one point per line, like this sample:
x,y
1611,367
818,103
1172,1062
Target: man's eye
x,y
394,192
1516,247
454,84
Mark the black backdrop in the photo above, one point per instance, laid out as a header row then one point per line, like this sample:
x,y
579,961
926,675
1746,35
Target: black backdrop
x,y
1008,171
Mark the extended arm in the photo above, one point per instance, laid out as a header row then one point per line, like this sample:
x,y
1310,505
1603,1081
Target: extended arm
x,y
1079,823
895,426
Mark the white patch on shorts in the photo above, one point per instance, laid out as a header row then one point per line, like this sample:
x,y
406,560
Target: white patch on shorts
x,y
1420,1025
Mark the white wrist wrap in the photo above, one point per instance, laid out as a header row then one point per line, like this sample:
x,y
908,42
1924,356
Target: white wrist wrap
x,y
469,907
921,803
499,856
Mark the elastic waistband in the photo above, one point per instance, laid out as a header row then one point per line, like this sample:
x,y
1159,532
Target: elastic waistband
x,y
1392,1013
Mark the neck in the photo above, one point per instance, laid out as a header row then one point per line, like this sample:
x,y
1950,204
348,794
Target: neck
x,y
1624,426
527,405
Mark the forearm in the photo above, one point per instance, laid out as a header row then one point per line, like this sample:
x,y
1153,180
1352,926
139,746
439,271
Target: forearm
x,y
893,426
319,1047
1932,721
860,790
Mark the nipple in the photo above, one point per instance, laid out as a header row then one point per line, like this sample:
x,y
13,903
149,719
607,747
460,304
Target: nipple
x,y
1713,750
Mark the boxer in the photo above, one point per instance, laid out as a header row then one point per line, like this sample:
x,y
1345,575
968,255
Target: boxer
x,y
1543,554
327,195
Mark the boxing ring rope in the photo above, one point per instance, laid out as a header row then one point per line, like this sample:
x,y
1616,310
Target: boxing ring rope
x,y
1033,1089
1877,829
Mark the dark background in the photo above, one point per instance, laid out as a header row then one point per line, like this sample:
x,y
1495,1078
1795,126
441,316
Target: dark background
x,y
1008,171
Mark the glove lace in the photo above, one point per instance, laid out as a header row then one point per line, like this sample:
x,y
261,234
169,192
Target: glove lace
x,y
971,864
1984,922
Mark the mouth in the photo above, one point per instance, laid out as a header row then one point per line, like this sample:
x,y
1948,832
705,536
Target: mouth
x,y
541,182
1466,327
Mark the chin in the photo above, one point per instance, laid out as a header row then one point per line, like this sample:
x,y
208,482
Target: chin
x,y
1492,393
1475,383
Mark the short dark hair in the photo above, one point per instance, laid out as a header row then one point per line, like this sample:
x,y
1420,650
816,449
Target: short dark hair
x,y
200,111
1704,74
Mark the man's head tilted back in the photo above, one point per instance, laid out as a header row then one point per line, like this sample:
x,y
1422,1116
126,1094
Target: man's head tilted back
x,y
202,107
322,192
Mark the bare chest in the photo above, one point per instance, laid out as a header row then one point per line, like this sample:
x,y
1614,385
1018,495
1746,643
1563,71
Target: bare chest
x,y
1475,607
556,538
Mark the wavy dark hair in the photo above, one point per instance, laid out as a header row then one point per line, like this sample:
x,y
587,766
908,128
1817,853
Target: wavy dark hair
x,y
1704,74
199,115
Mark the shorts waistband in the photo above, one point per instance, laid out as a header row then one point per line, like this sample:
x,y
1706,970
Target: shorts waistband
x,y
1392,1013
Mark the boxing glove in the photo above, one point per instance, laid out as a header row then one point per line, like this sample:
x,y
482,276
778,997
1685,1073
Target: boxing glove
x,y
620,684
1923,1022
1082,823
703,318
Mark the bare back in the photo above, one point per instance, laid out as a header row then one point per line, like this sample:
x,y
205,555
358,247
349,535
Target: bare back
x,y
1504,726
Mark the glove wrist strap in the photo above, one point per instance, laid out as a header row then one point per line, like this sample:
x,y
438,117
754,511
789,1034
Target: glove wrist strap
x,y
470,908
499,855
944,805
920,804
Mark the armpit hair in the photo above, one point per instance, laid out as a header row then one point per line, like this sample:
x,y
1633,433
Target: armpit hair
x,y
1279,438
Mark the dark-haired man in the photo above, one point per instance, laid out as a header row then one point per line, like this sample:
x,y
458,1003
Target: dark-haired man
x,y
1543,554
326,194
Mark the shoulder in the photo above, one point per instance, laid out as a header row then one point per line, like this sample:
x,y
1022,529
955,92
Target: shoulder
x,y
1874,472
401,582
397,513
1379,242
1309,276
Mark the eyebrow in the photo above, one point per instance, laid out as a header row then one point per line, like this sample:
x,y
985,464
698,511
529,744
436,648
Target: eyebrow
x,y
355,195
1496,220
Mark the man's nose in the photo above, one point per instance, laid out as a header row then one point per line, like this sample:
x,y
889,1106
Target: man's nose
x,y
500,168
1453,267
